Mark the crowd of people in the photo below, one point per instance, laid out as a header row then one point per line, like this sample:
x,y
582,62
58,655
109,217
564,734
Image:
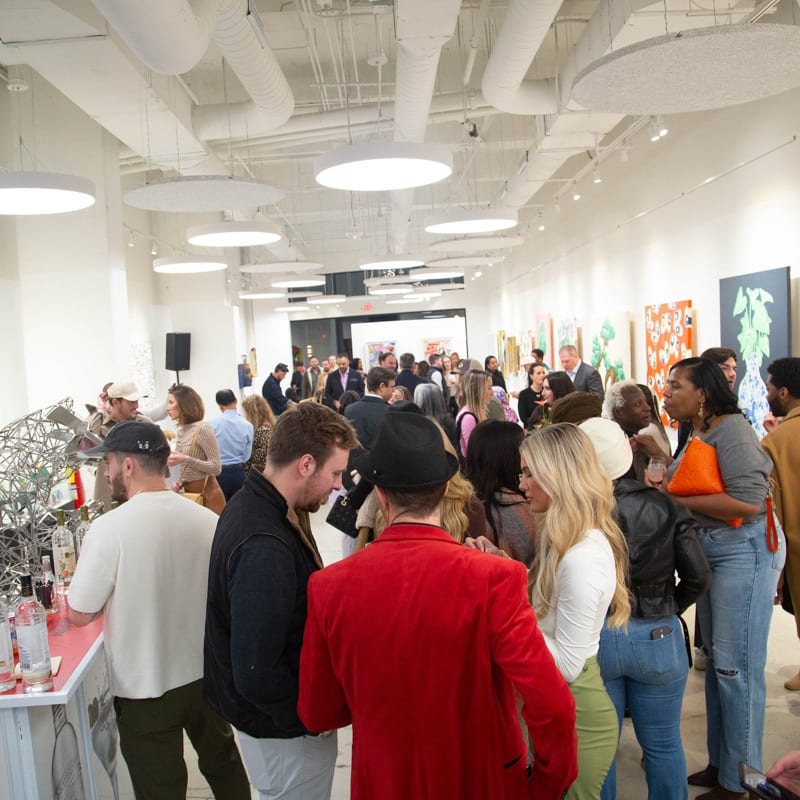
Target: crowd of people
x,y
512,583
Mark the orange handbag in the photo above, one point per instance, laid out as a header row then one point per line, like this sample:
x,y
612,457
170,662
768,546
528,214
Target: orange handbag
x,y
698,474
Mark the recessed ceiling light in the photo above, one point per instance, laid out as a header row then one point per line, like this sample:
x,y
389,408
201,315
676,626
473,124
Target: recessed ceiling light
x,y
292,307
29,193
279,267
435,274
260,294
299,283
475,220
383,166
233,234
184,265
392,263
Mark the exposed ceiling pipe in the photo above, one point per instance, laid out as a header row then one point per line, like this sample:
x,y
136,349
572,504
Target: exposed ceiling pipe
x,y
525,26
475,41
169,36
260,74
422,30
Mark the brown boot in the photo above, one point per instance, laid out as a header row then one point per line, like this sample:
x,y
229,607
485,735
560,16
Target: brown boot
x,y
721,793
706,777
793,684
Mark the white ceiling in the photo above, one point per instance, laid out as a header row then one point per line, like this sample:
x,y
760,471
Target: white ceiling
x,y
330,53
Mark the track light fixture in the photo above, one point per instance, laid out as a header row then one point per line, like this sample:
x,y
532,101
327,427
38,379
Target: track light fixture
x,y
596,176
652,129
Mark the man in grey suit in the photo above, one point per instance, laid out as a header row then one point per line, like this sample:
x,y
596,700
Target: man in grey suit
x,y
585,377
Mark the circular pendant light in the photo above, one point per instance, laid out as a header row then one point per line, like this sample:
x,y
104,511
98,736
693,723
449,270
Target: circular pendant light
x,y
329,299
473,244
186,265
388,279
403,301
281,267
292,307
476,220
202,193
383,166
393,263
304,294
380,291
30,193
260,294
297,282
466,261
424,294
233,234
433,274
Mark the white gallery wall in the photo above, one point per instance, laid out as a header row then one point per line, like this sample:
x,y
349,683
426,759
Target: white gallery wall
x,y
76,303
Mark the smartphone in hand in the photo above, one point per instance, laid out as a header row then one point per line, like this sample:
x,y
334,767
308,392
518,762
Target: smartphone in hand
x,y
759,785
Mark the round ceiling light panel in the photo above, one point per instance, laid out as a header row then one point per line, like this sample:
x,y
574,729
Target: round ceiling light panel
x,y
297,282
260,294
387,280
383,166
434,274
465,261
202,193
31,193
233,234
476,220
424,294
474,244
404,301
329,299
380,291
304,294
292,307
281,267
187,265
392,263
698,70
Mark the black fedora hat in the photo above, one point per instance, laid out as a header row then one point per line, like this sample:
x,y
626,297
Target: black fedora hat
x,y
408,453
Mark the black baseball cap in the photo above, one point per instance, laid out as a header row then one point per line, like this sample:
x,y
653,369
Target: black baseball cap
x,y
141,438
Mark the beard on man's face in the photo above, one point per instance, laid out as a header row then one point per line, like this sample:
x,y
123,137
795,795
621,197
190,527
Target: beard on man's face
x,y
118,490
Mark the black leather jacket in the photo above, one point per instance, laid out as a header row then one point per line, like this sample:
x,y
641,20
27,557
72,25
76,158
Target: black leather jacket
x,y
661,539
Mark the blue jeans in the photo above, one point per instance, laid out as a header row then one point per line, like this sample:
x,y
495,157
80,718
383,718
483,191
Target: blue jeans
x,y
649,676
735,616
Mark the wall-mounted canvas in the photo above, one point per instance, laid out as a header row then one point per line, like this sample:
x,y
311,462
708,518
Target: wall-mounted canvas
x,y
566,332
499,353
668,338
544,338
374,349
441,344
755,315
607,346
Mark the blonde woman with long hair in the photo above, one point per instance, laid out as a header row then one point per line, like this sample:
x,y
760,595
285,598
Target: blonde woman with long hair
x,y
577,579
475,393
259,415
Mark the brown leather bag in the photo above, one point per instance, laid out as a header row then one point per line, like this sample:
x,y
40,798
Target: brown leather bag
x,y
205,491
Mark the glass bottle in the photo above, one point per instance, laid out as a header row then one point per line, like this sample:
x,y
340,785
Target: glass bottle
x,y
46,588
81,531
65,769
63,553
7,680
34,649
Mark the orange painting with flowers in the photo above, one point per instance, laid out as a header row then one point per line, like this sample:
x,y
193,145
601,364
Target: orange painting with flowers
x,y
668,328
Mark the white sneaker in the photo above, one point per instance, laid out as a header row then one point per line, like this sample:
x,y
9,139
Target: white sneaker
x,y
699,657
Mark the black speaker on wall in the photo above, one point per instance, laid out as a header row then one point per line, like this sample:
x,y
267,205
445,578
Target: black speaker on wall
x,y
178,347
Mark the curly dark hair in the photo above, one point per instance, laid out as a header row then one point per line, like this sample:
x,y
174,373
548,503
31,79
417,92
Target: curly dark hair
x,y
785,373
705,374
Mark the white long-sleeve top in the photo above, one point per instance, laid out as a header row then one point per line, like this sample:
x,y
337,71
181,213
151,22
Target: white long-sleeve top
x,y
584,589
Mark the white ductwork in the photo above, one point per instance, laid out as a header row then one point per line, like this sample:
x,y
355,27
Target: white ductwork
x,y
169,36
504,86
422,30
258,71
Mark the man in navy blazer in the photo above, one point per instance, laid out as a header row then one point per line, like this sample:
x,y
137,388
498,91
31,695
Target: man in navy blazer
x,y
366,414
342,380
406,377
585,377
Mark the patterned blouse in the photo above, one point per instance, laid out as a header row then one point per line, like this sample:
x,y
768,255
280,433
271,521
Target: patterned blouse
x,y
258,457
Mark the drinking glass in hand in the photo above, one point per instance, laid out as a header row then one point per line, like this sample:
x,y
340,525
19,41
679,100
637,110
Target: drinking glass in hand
x,y
656,467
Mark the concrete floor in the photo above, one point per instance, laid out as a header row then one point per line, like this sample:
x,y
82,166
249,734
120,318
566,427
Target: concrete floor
x,y
782,730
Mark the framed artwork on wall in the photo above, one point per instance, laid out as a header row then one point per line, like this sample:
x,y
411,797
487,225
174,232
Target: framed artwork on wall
x,y
374,349
669,335
566,332
607,346
755,315
544,338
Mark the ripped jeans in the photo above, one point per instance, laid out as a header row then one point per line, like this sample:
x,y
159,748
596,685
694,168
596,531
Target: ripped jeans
x,y
735,616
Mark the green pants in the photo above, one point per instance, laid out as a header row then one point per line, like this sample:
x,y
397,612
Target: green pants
x,y
597,732
151,740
